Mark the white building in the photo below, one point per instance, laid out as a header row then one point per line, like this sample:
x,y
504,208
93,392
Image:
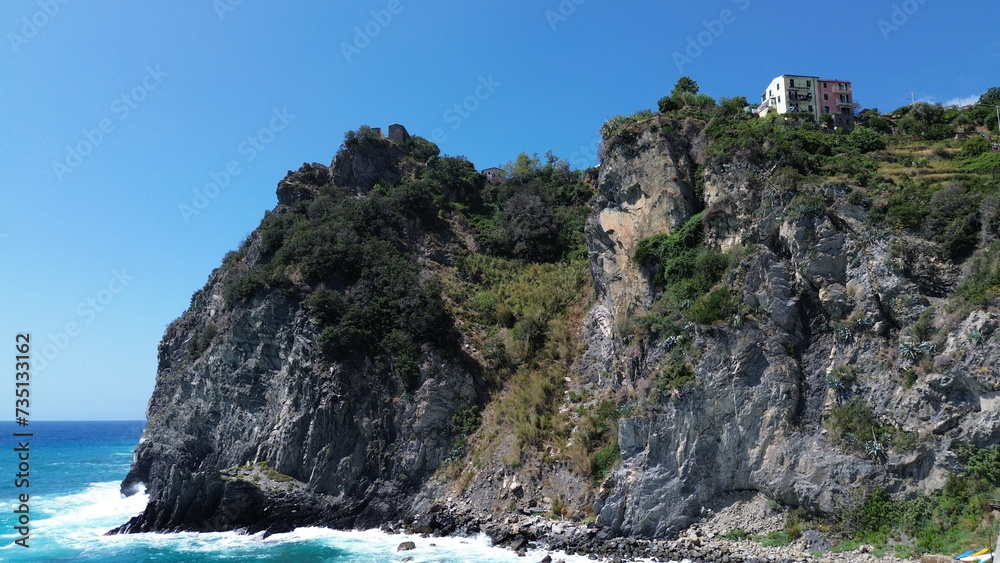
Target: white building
x,y
790,93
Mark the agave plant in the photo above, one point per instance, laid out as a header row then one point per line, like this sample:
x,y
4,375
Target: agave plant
x,y
870,236
843,334
975,336
911,350
864,322
875,448
738,320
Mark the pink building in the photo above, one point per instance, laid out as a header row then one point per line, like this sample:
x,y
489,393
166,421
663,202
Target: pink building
x,y
836,98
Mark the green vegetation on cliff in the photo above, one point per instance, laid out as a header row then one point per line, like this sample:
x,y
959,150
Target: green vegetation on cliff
x,y
497,275
917,192
949,520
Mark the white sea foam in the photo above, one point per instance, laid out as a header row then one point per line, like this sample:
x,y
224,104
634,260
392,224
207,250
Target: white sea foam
x,y
367,546
379,546
72,526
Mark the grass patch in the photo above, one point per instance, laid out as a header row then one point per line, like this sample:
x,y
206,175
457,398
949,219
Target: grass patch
x,y
603,460
774,539
736,535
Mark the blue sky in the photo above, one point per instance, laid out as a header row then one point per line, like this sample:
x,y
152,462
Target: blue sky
x,y
141,141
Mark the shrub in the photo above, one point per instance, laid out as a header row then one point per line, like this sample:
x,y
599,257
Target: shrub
x,y
603,461
865,140
204,339
668,104
975,146
947,520
529,229
530,329
245,289
983,283
953,220
736,535
673,256
675,375
853,423
364,135
712,307
421,149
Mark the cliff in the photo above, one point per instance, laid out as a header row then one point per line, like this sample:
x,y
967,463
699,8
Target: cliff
x,y
252,425
750,327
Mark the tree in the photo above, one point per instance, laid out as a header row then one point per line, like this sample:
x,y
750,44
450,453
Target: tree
x,y
912,126
865,140
523,167
986,112
880,123
684,84
365,134
930,114
529,229
867,113
991,97
975,146
668,104
732,107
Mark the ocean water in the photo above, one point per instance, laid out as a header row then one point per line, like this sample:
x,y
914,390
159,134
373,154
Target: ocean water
x,y
73,476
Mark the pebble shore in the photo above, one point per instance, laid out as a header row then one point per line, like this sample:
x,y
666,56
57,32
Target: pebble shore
x,y
702,542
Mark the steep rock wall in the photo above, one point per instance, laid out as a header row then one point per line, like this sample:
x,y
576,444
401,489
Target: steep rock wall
x,y
820,291
649,190
245,385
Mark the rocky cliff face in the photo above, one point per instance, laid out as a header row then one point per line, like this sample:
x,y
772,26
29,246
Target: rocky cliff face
x,y
822,294
247,387
640,193
826,309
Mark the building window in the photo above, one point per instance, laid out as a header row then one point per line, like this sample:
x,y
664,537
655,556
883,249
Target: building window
x,y
825,85
826,96
826,109
809,83
791,82
779,99
810,108
842,86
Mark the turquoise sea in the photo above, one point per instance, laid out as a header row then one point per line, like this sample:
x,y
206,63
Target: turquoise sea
x,y
73,476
